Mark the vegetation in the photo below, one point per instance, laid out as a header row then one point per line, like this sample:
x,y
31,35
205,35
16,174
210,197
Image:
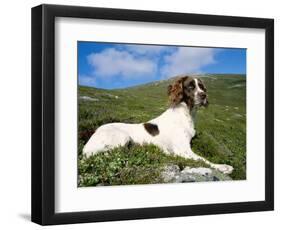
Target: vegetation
x,y
129,165
221,130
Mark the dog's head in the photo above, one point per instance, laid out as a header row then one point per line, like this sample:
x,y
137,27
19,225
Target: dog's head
x,y
190,90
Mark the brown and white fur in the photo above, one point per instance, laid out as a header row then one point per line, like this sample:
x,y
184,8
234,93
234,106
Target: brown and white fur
x,y
172,131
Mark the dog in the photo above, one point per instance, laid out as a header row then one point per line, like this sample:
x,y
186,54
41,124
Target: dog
x,y
172,131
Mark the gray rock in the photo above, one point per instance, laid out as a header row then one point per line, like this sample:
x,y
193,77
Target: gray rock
x,y
201,171
186,177
86,98
114,96
172,174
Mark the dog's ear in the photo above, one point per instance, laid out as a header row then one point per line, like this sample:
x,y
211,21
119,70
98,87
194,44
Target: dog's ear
x,y
175,92
169,89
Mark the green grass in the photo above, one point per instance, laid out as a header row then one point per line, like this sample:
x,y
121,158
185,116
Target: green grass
x,y
221,130
128,165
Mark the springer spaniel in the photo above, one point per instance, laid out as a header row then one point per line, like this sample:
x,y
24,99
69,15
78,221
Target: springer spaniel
x,y
172,131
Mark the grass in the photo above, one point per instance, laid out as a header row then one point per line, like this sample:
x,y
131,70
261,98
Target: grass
x,y
128,165
221,130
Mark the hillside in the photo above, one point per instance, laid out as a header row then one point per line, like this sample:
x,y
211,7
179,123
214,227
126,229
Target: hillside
x,y
221,128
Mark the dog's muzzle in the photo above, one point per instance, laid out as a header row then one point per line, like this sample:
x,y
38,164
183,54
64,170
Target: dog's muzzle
x,y
203,99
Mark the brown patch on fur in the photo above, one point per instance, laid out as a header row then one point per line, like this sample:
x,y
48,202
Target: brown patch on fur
x,y
152,129
86,134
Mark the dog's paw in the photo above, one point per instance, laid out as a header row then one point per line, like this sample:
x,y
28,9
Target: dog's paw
x,y
226,169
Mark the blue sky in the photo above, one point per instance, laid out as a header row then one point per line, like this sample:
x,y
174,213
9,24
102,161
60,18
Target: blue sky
x,y
115,65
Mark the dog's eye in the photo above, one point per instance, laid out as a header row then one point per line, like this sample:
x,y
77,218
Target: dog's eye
x,y
201,86
190,87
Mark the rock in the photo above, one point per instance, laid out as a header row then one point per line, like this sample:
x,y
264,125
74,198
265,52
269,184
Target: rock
x,y
237,115
219,176
186,177
86,98
201,171
172,174
236,86
215,178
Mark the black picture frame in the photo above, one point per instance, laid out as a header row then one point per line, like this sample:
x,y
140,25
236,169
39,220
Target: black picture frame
x,y
43,114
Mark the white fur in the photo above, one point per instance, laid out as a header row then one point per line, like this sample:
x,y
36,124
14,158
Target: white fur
x,y
176,129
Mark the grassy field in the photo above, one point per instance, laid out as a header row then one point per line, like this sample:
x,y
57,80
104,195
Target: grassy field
x,y
221,130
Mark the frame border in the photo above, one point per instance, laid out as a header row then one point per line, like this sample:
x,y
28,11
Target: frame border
x,y
43,114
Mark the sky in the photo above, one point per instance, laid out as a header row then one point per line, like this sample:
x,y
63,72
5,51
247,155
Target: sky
x,y
116,65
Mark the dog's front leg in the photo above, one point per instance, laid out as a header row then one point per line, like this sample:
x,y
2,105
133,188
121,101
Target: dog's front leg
x,y
187,152
226,169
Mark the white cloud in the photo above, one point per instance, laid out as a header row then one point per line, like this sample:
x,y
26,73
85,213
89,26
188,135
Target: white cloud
x,y
136,62
111,62
148,49
187,60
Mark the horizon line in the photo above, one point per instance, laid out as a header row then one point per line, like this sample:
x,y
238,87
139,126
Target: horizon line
x,y
166,79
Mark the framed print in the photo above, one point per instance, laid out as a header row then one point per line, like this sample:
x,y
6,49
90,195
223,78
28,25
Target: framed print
x,y
142,114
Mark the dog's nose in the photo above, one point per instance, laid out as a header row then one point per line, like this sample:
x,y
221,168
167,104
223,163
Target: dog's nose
x,y
203,96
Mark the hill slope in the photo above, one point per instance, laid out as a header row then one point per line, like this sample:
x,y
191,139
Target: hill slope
x,y
221,128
